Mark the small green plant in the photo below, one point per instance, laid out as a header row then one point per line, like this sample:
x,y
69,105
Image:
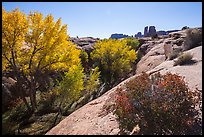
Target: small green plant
x,y
174,54
184,59
159,105
93,81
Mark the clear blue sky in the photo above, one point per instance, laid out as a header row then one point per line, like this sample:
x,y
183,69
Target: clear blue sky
x,y
101,19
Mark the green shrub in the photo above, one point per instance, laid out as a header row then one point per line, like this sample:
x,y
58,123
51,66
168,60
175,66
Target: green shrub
x,y
84,59
134,43
184,59
46,102
193,39
185,27
174,54
159,105
93,81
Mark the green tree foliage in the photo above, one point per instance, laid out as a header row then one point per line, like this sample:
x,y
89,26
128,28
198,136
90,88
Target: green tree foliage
x,y
134,43
72,84
114,58
84,60
35,44
93,81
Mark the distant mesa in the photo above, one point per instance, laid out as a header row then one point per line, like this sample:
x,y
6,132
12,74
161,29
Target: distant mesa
x,y
148,32
118,36
162,32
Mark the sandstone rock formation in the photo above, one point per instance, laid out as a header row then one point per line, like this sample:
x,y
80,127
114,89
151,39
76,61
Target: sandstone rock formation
x,y
85,43
118,36
161,32
152,31
91,118
154,51
153,58
138,35
146,31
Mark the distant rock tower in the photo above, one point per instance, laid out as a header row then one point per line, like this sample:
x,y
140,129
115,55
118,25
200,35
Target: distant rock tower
x,y
138,35
146,31
152,31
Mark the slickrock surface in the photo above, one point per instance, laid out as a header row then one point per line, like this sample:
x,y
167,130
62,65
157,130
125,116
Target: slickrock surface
x,y
91,119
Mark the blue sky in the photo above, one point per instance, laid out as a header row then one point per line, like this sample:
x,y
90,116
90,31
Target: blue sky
x,y
101,19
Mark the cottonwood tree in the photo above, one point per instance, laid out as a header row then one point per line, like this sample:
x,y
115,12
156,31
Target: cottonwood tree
x,y
33,45
114,58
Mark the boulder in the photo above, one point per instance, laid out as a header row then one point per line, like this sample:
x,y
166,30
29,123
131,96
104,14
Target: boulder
x,y
153,58
88,48
168,49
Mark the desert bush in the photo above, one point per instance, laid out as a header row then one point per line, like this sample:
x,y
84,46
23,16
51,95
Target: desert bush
x,y
124,110
185,58
134,43
193,39
185,27
46,102
174,54
168,49
159,105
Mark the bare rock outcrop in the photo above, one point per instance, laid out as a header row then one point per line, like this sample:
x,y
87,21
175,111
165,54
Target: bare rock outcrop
x,y
191,72
152,59
84,43
90,119
157,51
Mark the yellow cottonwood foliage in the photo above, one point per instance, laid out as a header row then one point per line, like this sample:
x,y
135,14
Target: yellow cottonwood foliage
x,y
14,28
36,42
113,56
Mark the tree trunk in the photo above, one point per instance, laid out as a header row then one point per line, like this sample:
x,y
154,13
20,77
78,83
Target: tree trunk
x,y
24,99
20,88
33,94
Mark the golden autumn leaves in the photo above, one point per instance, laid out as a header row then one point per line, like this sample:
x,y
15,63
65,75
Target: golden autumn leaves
x,y
33,43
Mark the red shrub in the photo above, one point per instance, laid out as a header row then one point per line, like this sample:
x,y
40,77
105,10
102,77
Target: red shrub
x,y
161,104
